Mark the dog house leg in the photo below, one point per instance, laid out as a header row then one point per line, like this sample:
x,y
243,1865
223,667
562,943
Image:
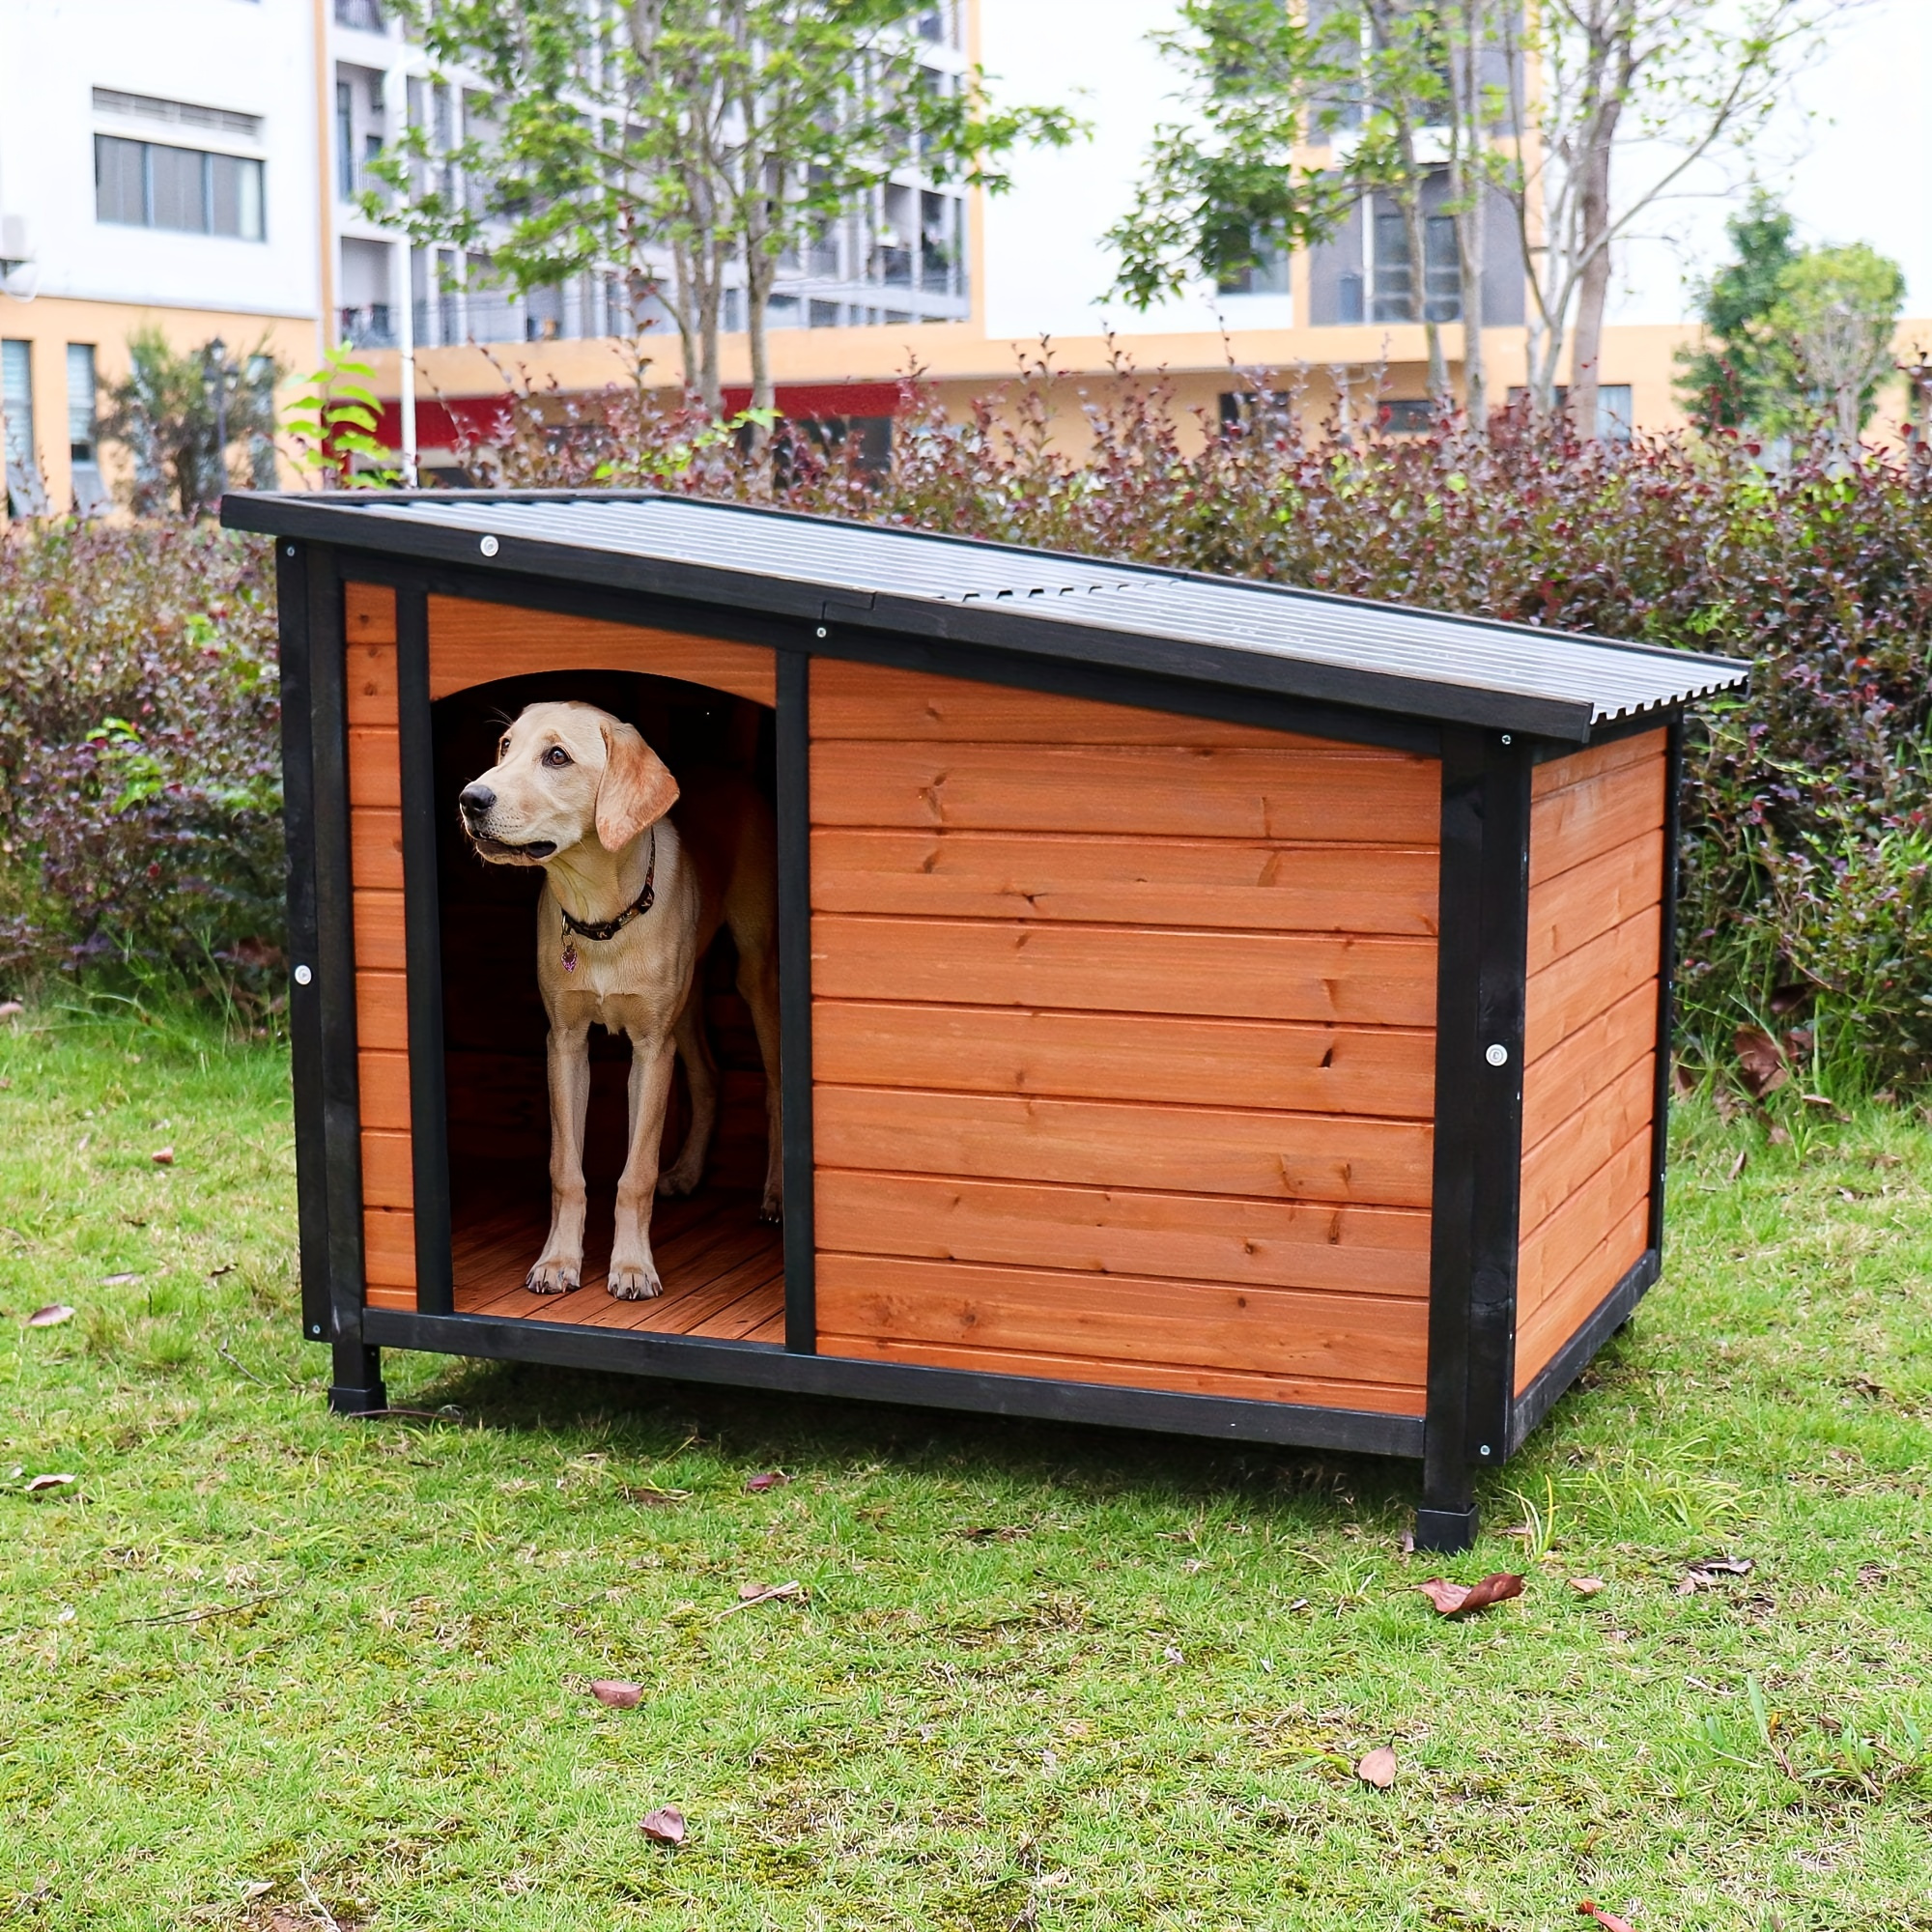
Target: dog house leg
x,y
1446,1521
357,1384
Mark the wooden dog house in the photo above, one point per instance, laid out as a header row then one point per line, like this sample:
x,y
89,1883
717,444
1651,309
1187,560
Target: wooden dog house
x,y
1207,1006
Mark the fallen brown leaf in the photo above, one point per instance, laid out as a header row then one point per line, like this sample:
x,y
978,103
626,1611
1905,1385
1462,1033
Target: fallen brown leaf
x,y
616,1692
1738,1165
771,1479
116,1280
761,1593
51,1316
1586,1586
1454,1600
650,1498
38,1483
1705,1574
164,1156
666,1824
1589,1909
1377,1768
1761,1065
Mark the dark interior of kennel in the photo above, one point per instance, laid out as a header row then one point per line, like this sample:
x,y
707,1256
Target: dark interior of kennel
x,y
723,1269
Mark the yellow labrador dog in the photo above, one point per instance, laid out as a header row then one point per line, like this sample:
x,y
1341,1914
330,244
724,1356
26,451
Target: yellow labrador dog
x,y
630,900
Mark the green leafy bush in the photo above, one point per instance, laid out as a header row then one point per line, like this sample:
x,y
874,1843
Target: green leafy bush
x,y
139,758
140,772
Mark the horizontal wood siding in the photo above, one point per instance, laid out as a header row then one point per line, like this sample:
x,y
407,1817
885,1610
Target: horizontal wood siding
x,y
472,642
1123,1043
1596,868
381,1009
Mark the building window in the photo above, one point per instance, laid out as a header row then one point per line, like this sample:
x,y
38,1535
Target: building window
x,y
345,140
26,493
365,15
90,493
1395,291
143,184
177,113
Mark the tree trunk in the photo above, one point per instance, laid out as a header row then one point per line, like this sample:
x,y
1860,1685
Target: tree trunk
x,y
1469,189
1593,286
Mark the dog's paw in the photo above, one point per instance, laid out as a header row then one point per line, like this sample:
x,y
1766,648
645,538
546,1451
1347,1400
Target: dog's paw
x,y
634,1281
553,1278
772,1209
679,1180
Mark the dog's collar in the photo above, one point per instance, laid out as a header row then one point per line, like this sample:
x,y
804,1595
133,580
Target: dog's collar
x,y
609,928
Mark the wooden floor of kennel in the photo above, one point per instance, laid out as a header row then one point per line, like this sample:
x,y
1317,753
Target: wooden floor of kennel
x,y
1286,1065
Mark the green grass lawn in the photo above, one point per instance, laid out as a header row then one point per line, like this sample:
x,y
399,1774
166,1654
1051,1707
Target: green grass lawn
x,y
261,1667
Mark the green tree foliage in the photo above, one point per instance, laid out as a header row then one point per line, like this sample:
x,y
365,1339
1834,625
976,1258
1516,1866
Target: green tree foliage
x,y
164,414
1726,382
1831,326
711,135
1797,341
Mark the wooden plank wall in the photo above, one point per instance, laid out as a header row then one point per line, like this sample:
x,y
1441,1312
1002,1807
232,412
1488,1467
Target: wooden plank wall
x,y
1596,891
1122,1031
381,1008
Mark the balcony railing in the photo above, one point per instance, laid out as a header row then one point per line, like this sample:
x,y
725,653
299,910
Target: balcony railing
x,y
372,326
363,14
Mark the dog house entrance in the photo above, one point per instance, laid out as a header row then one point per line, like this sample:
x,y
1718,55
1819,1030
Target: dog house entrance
x,y
723,1269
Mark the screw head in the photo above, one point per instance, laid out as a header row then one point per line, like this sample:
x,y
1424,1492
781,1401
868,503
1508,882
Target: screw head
x,y
303,975
1506,737
823,632
287,549
1497,1055
1483,1450
488,546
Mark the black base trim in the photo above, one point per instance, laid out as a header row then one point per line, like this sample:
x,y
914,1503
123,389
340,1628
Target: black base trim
x,y
357,1399
1574,1358
1445,1532
761,1364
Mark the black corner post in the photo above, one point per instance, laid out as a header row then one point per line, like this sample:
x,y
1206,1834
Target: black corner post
x,y
422,936
1481,941
794,814
358,1381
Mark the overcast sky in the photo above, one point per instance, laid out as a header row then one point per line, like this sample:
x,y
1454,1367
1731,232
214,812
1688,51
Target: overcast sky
x,y
1852,156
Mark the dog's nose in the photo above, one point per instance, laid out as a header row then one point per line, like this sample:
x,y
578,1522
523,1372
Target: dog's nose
x,y
477,800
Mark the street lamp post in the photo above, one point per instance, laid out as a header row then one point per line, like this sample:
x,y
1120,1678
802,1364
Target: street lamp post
x,y
217,356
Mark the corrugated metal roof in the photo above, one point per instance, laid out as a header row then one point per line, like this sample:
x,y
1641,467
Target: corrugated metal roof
x,y
1433,665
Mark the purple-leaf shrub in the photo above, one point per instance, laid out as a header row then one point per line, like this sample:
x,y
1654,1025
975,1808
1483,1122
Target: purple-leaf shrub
x,y
140,772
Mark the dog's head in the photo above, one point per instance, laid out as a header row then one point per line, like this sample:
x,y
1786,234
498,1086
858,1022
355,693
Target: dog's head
x,y
565,773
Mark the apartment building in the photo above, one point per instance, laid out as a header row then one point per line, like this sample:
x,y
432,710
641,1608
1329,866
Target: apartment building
x,y
200,166
158,169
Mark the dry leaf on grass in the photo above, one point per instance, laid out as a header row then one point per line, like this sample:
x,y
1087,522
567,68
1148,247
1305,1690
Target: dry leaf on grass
x,y
1586,1586
616,1692
770,1479
1762,1068
40,1483
1738,1166
117,1280
1454,1600
647,1498
664,1825
1707,1574
51,1316
1590,1908
164,1156
1377,1769
761,1593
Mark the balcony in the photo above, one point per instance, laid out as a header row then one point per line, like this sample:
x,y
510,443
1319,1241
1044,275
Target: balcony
x,y
364,16
369,327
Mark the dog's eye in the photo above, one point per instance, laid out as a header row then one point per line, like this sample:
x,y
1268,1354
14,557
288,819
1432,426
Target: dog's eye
x,y
503,749
556,755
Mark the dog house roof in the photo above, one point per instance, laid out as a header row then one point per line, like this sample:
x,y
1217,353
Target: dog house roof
x,y
1216,630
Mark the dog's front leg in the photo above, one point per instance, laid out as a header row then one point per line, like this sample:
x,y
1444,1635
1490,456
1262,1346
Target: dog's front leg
x,y
634,1274
560,1267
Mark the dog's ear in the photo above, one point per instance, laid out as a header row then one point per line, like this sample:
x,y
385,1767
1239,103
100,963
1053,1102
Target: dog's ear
x,y
637,788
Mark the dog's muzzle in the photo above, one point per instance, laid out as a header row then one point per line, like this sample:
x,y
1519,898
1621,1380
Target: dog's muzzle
x,y
476,802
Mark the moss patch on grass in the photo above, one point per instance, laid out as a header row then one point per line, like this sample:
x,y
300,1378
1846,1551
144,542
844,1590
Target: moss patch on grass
x,y
264,1668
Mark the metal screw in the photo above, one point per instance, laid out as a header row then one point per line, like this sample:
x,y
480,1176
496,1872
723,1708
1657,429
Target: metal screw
x,y
822,631
1506,737
488,546
289,549
1483,1450
315,1328
1497,1055
303,976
